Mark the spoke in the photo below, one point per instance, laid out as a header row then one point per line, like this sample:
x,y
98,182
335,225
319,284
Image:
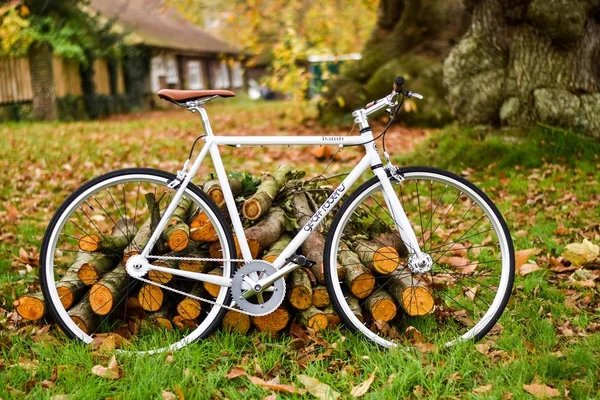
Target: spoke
x,y
443,218
419,208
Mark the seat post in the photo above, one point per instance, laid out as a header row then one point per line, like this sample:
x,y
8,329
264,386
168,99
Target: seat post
x,y
204,117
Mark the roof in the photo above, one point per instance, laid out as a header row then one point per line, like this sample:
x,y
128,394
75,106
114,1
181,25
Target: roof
x,y
154,24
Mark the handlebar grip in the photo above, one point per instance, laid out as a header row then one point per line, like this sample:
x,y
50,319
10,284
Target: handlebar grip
x,y
398,83
416,95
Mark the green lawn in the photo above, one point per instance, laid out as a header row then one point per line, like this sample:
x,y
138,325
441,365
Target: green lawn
x,y
547,188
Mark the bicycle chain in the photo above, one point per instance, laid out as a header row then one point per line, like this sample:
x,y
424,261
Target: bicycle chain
x,y
214,303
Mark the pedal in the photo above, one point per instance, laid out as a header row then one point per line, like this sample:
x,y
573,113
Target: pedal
x,y
300,260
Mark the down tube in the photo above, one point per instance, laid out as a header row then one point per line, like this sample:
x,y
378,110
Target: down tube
x,y
316,219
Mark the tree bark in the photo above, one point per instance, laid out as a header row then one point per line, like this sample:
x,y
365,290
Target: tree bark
x,y
266,232
93,269
523,61
380,259
276,248
358,278
83,316
411,38
190,308
300,289
211,288
177,231
415,297
313,318
70,288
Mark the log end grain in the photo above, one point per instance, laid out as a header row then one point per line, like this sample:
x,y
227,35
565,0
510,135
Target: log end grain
x,y
89,243
183,323
235,321
178,238
383,310
87,274
386,260
301,297
101,299
272,323
417,301
150,297
252,209
189,308
30,307
66,296
362,285
320,297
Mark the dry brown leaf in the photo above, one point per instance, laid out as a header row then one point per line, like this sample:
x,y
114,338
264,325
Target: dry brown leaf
x,y
166,395
272,396
61,397
522,256
276,386
109,372
483,389
179,393
528,268
317,388
235,372
581,253
541,391
363,388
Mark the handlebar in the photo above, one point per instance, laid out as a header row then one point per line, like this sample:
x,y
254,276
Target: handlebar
x,y
390,100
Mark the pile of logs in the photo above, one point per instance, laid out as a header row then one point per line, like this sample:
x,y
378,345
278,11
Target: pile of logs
x,y
378,287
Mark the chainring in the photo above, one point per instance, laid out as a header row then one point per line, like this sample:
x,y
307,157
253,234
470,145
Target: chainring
x,y
268,299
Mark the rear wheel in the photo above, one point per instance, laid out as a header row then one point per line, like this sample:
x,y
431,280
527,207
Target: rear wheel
x,y
376,291
109,219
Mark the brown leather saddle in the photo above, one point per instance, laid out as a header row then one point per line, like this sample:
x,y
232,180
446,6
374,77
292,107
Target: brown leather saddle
x,y
180,96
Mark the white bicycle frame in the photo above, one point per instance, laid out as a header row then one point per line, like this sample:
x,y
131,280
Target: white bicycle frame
x,y
371,159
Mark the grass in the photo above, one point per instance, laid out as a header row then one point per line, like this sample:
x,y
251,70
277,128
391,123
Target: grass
x,y
548,181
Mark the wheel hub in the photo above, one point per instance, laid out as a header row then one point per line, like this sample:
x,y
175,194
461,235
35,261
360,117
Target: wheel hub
x,y
252,297
420,264
137,266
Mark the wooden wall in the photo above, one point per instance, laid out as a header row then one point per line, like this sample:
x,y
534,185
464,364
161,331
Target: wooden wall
x,y
15,80
67,78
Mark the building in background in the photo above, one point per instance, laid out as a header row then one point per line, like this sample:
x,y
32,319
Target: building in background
x,y
176,54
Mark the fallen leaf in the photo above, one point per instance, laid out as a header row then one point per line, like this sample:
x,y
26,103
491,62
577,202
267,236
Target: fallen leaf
x,y
109,372
581,253
522,256
483,389
61,397
363,388
166,395
317,388
540,390
528,268
272,396
235,372
276,386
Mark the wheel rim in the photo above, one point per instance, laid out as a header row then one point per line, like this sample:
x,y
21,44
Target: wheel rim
x,y
62,251
419,192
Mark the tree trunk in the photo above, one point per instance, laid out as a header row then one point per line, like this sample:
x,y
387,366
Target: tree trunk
x,y
276,248
300,289
313,318
381,306
411,38
414,296
358,278
108,291
190,308
266,232
260,202
93,269
380,259
202,230
83,316
163,317
320,297
523,61
211,288
177,231
70,288
332,317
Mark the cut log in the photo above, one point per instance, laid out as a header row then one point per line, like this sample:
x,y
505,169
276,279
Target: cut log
x,y
413,295
163,277
213,189
114,243
183,323
320,297
190,308
314,245
313,318
202,230
381,306
194,265
92,270
380,259
354,305
393,240
211,288
134,308
31,306
83,316
358,278
300,289
266,232
140,240
177,231
332,317
236,321
273,322
109,290
163,316
154,206
276,248
214,249
151,297
260,202
70,288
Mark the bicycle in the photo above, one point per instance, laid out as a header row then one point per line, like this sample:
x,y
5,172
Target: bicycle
x,y
448,241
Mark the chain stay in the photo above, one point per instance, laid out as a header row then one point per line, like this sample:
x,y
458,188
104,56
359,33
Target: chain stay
x,y
214,303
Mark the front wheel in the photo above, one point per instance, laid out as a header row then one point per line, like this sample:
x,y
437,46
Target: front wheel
x,y
83,277
378,293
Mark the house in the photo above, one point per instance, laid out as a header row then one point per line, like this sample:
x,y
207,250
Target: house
x,y
167,52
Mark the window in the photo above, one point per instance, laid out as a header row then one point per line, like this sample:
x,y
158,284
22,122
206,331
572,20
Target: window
x,y
172,74
220,75
195,80
236,75
157,69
